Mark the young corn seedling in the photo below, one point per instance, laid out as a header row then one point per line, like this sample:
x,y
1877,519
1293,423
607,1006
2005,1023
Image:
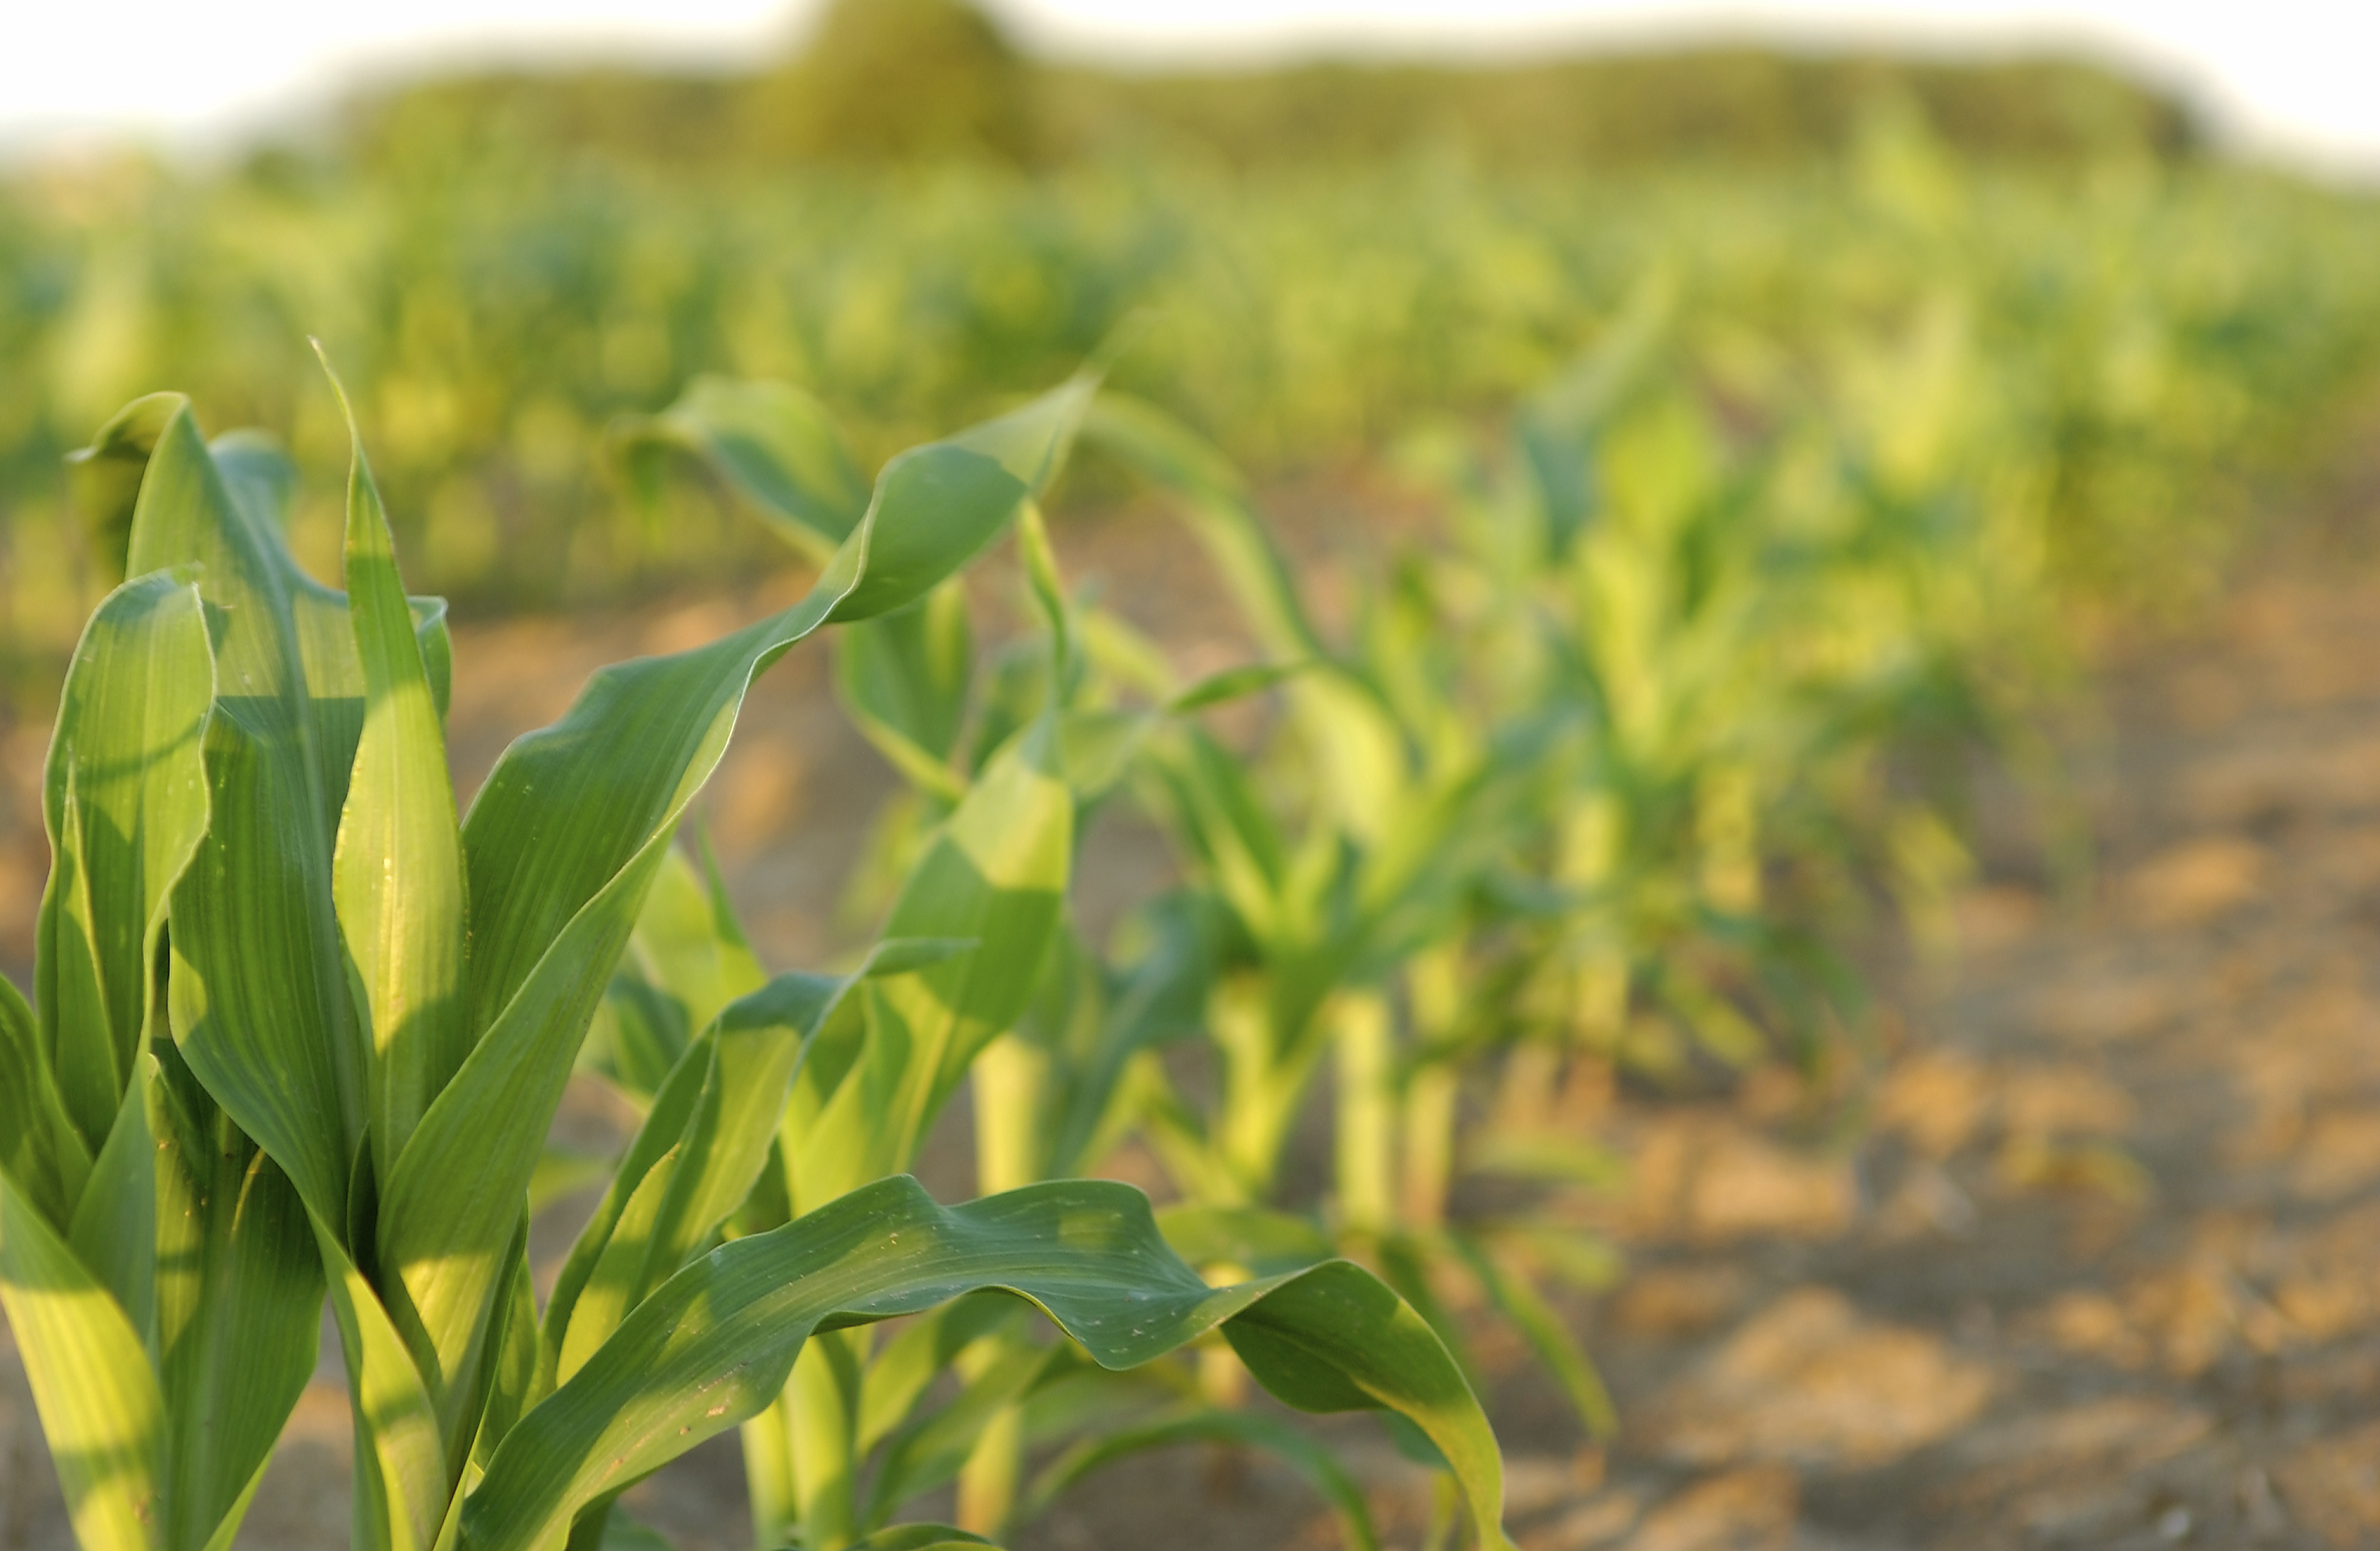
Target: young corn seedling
x,y
1008,785
298,1028
1348,936
1546,786
1747,639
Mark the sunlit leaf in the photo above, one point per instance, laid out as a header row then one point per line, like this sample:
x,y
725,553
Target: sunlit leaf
x,y
714,1345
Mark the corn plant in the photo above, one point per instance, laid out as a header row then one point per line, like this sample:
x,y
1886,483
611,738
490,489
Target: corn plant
x,y
298,1029
1044,1105
1546,801
1356,868
1400,841
1773,639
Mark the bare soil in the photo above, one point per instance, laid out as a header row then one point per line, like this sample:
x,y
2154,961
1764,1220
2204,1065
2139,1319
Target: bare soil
x,y
2102,1268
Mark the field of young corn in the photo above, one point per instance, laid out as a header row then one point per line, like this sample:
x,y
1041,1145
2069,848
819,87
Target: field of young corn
x,y
2137,328
1763,516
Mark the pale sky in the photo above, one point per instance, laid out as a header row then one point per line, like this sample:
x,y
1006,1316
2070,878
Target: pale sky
x,y
2285,75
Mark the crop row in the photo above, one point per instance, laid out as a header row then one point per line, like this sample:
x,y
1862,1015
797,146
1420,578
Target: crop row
x,y
2157,328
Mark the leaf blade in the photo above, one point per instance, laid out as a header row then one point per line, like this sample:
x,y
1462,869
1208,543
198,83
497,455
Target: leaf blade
x,y
125,803
397,862
714,1345
566,837
258,1002
98,1401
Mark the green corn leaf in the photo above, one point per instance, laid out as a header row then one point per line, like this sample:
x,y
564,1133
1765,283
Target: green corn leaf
x,y
563,1171
1016,689
227,1528
202,1266
635,1038
1232,684
623,1533
400,1473
1109,1021
1098,748
930,1452
674,1104
1026,445
1359,749
513,1374
919,1537
756,1044
1518,1298
262,482
567,838
774,444
98,1401
238,1304
1577,1257
1555,428
994,875
701,1147
1546,1155
934,506
688,946
1348,733
262,1010
125,802
39,1147
1310,1459
973,497
1259,1241
457,1192
1048,590
397,866
1405,1266
108,474
1216,810
686,960
715,1344
1126,657
114,1230
1212,499
903,679
1076,1397
261,479
1032,441
260,1003
615,1280
901,1370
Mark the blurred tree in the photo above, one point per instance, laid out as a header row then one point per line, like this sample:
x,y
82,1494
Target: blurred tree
x,y
1725,103
923,80
897,80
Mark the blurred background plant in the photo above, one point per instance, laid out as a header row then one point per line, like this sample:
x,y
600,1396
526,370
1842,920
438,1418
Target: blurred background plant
x,y
915,223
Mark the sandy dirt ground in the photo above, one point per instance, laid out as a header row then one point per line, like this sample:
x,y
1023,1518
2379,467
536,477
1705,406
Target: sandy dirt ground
x,y
2102,1268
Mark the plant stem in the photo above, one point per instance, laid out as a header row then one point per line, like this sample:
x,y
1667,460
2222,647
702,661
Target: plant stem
x,y
1266,1071
987,1486
768,1474
822,1399
1366,1102
1429,1144
1434,987
1008,1079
